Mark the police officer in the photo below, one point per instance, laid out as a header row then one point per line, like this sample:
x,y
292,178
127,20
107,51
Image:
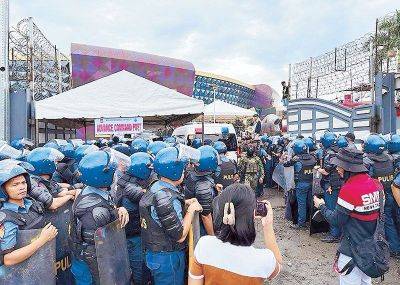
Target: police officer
x,y
251,170
303,163
122,148
200,184
164,221
356,216
330,181
394,150
342,142
226,173
139,145
92,209
268,167
130,189
196,143
19,212
154,147
66,170
44,189
381,167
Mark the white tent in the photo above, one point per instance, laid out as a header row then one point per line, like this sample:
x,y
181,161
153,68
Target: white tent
x,y
121,94
225,112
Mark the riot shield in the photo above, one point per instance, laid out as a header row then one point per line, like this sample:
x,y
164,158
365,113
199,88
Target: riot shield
x,y
317,224
61,220
284,176
37,269
112,254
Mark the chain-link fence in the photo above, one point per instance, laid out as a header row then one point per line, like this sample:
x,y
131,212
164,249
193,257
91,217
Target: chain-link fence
x,y
349,69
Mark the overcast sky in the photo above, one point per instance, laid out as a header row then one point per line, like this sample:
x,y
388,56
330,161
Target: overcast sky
x,y
252,41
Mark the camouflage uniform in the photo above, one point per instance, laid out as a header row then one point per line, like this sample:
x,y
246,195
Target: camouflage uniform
x,y
251,170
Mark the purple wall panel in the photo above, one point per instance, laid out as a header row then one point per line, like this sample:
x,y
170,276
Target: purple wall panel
x,y
90,63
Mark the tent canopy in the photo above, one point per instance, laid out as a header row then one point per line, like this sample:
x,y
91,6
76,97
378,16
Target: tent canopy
x,y
225,109
121,94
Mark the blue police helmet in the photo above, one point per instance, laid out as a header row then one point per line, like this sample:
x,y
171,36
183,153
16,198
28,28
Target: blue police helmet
x,y
342,142
328,139
21,143
220,147
374,144
8,170
141,164
44,160
97,169
170,141
154,147
225,132
299,146
208,159
167,164
139,145
123,148
309,141
264,139
67,150
7,151
196,143
83,150
394,144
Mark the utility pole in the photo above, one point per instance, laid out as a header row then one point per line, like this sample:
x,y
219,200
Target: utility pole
x,y
4,72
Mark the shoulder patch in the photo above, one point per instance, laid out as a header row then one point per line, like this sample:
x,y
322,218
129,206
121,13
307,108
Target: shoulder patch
x,y
2,230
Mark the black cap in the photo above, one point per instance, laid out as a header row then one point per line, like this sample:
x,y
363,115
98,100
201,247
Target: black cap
x,y
350,136
350,159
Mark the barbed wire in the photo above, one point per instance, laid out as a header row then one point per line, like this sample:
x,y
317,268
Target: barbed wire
x,y
345,69
33,57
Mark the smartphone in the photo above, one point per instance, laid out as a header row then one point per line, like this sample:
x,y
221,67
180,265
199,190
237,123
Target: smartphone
x,y
261,209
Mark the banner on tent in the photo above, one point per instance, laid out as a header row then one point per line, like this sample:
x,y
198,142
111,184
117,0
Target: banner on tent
x,y
118,126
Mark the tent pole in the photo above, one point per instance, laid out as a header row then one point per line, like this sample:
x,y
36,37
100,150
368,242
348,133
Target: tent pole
x,y
84,124
202,129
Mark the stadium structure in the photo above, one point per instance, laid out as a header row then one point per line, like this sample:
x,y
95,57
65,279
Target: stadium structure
x,y
90,63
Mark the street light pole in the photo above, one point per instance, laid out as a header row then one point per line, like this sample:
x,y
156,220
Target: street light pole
x,y
214,87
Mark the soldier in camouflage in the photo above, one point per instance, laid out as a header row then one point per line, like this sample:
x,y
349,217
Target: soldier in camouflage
x,y
251,168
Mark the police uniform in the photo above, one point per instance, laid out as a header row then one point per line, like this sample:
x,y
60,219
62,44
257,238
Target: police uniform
x,y
162,212
92,209
303,176
381,167
67,172
225,174
130,190
333,181
14,218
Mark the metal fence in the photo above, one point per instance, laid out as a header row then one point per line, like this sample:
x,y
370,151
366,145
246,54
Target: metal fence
x,y
349,68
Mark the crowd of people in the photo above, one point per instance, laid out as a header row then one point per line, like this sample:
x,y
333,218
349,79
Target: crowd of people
x,y
153,190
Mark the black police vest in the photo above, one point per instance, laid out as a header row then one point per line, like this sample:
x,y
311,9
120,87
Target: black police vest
x,y
383,169
51,185
154,237
33,219
227,173
334,179
66,171
308,162
84,210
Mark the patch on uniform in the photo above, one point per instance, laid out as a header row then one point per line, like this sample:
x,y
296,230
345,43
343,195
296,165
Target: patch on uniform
x,y
143,224
2,230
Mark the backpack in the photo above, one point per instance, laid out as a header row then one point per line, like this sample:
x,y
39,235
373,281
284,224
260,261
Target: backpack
x,y
372,255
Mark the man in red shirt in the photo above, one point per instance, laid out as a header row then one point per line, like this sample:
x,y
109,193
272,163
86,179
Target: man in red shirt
x,y
356,212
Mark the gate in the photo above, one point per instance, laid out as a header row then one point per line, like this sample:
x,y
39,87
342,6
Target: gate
x,y
311,116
